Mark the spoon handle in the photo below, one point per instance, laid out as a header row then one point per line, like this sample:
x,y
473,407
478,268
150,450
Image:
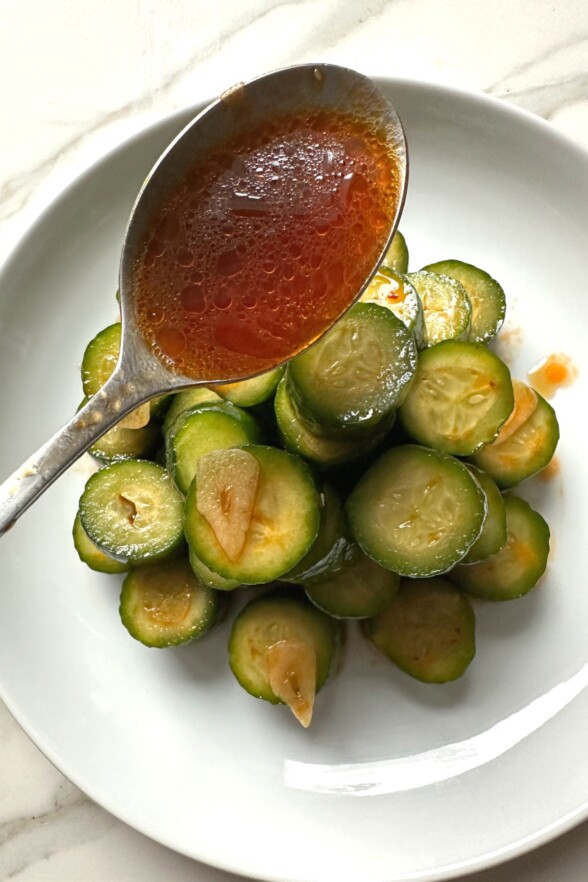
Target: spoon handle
x,y
116,398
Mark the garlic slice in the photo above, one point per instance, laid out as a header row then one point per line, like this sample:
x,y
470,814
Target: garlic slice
x,y
291,669
226,488
137,418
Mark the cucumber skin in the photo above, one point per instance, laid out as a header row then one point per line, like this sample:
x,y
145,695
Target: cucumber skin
x,y
208,577
494,534
109,340
254,391
396,257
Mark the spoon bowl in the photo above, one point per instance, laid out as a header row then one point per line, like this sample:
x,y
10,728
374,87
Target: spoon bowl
x,y
144,369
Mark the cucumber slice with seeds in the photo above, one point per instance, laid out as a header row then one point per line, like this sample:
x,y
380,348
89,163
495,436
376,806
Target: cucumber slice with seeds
x,y
485,294
416,511
461,396
517,568
357,374
92,556
282,649
132,511
251,513
202,429
359,591
395,292
428,630
524,452
165,605
396,257
256,390
446,306
493,536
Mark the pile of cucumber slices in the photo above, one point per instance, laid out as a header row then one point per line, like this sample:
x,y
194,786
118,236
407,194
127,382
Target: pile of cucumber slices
x,y
365,480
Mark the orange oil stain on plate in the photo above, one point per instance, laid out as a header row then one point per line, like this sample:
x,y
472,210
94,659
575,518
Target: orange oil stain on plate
x,y
552,373
551,471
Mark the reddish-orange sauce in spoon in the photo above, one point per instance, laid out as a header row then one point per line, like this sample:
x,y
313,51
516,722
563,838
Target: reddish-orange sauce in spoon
x,y
265,245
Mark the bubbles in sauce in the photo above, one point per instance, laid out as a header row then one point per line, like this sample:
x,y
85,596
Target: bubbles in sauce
x,y
551,373
265,245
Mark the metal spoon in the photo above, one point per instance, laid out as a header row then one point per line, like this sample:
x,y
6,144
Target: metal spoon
x,y
139,374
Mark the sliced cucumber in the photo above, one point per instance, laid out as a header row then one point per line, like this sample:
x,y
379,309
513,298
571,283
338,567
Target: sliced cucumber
x,y
395,292
201,429
120,443
209,577
282,649
519,565
525,404
416,511
396,257
428,630
461,396
185,400
359,591
333,548
92,556
525,452
256,390
493,536
322,451
252,513
446,306
165,604
485,294
100,359
132,511
357,374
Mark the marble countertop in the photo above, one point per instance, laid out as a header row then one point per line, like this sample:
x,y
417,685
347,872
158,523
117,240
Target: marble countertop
x,y
79,78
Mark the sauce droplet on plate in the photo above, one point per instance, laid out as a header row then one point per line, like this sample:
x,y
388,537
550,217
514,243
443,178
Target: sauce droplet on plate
x,y
551,373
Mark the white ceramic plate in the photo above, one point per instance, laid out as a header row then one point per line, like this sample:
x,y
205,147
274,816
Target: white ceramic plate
x,y
394,780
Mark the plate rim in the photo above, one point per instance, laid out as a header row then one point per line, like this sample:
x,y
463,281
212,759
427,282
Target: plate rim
x,y
37,218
